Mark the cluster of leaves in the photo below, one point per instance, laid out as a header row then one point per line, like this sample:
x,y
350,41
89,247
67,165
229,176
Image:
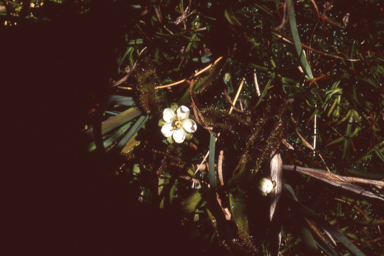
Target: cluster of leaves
x,y
328,62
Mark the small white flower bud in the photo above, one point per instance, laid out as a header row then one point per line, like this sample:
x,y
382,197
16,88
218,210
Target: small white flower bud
x,y
265,186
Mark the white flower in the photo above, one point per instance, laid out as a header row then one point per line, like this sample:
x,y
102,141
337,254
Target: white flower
x,y
265,186
177,125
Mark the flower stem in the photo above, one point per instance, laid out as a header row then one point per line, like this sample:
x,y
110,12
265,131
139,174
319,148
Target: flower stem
x,y
211,161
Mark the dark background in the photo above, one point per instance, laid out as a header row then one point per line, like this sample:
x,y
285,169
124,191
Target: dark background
x,y
57,200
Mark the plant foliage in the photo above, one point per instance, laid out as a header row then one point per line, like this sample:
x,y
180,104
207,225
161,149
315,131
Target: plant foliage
x,y
309,76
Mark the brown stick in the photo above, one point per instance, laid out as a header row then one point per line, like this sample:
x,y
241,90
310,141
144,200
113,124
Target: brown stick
x,y
338,181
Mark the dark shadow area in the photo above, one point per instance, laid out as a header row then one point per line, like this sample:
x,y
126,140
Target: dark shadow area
x,y
56,200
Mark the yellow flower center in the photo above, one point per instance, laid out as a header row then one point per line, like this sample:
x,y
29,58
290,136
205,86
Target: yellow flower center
x,y
177,125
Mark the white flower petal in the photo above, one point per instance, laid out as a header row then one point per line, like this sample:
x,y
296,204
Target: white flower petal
x,y
189,125
168,115
167,130
179,135
182,113
265,185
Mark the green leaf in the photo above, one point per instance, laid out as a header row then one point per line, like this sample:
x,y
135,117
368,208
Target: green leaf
x,y
317,91
211,161
260,68
369,153
342,138
266,88
190,204
172,191
239,213
364,174
297,42
308,213
115,136
309,241
347,143
135,129
231,17
323,245
114,122
128,51
124,101
332,108
379,154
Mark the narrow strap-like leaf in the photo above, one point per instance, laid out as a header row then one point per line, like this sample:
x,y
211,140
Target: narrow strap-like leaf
x,y
135,128
115,136
297,42
308,213
211,161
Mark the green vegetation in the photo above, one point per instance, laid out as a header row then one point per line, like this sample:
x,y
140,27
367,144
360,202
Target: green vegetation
x,y
307,80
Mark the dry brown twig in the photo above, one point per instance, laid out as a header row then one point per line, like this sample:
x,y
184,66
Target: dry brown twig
x,y
230,111
256,83
286,14
290,40
237,95
312,148
276,164
129,72
226,211
183,16
339,181
220,167
232,105
167,85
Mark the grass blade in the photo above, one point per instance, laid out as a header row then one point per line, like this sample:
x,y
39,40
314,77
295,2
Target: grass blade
x,y
211,161
297,42
308,213
135,129
108,142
